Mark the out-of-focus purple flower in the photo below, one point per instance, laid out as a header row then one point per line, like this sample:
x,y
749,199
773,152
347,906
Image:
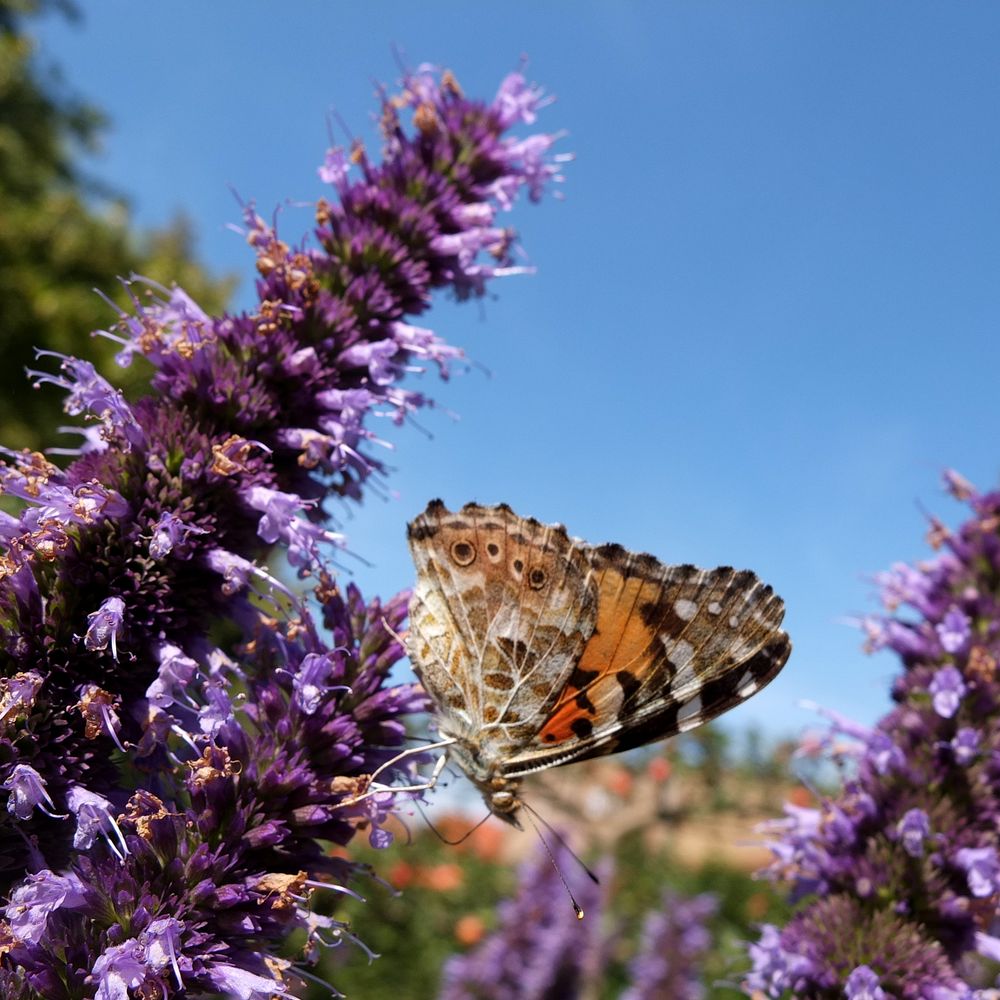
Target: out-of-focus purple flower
x,y
540,950
674,943
775,970
953,631
982,869
947,690
863,984
965,746
914,828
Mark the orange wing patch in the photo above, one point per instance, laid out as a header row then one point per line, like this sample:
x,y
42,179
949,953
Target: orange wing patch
x,y
622,650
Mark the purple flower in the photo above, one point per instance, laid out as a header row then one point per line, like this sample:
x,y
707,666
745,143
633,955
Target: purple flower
x,y
775,970
953,631
27,792
965,746
863,984
876,891
982,869
105,624
674,943
914,828
119,969
540,950
947,689
36,898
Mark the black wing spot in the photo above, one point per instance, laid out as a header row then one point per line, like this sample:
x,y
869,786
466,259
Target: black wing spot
x,y
582,728
581,678
629,683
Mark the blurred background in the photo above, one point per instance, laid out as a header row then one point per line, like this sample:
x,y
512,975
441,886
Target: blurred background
x,y
764,319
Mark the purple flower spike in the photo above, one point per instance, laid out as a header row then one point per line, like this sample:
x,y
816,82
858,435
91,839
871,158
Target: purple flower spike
x,y
899,878
947,690
189,793
863,984
674,943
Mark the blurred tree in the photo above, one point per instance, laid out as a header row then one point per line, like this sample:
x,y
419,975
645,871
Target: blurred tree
x,y
62,235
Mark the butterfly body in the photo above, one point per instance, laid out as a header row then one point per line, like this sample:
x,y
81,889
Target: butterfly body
x,y
538,649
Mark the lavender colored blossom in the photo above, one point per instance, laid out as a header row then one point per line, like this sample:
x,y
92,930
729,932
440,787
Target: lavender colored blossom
x,y
674,943
897,878
914,828
174,797
863,984
947,690
540,950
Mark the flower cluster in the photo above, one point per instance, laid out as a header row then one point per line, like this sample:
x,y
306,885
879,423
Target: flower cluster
x,y
180,733
899,876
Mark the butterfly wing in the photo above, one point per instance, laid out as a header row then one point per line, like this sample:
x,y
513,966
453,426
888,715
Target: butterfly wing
x,y
674,646
501,612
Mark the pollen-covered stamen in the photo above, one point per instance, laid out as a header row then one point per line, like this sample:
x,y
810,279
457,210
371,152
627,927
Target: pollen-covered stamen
x,y
17,694
100,717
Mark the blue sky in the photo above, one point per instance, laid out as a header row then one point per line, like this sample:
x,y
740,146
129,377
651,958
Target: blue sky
x,y
765,316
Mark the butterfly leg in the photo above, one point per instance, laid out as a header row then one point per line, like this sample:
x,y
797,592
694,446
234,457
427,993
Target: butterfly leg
x,y
377,788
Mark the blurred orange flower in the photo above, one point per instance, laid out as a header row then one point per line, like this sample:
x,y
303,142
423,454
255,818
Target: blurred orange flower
x,y
469,930
443,877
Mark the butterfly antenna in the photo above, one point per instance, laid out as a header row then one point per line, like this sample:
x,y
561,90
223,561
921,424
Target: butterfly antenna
x,y
548,850
440,836
561,840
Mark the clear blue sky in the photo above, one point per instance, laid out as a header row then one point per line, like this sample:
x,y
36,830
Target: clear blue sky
x,y
766,314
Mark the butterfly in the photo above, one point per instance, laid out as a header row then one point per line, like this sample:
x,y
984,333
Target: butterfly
x,y
537,649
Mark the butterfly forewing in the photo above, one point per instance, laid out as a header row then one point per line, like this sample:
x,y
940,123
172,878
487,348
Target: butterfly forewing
x,y
501,612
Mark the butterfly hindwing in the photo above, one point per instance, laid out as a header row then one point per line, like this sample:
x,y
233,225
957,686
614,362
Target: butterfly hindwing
x,y
674,647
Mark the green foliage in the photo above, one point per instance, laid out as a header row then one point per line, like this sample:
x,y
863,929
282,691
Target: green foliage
x,y
62,236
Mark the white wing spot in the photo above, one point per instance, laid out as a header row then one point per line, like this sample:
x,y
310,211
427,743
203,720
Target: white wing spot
x,y
685,609
689,711
747,685
734,622
679,652
715,608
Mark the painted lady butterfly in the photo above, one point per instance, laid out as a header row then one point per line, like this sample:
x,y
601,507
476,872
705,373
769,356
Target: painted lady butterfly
x,y
538,649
